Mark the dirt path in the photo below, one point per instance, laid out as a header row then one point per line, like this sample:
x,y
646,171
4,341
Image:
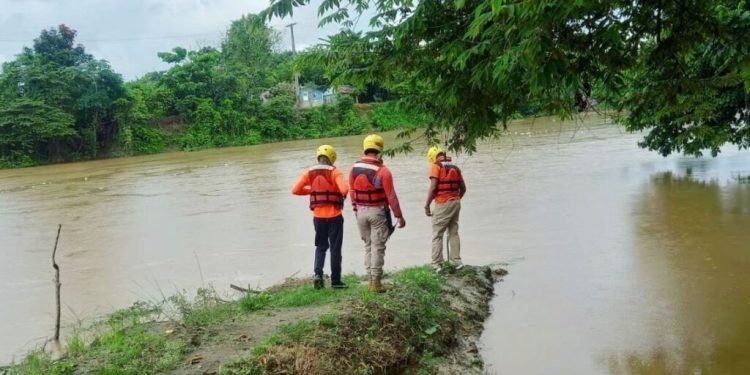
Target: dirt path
x,y
221,344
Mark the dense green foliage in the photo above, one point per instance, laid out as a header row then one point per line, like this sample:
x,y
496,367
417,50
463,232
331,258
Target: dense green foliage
x,y
238,95
680,69
30,128
389,116
58,103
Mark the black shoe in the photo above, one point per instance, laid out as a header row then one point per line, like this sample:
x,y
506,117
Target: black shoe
x,y
339,285
318,282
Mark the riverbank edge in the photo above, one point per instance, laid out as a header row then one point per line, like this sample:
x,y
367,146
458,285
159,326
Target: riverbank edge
x,y
364,113
426,323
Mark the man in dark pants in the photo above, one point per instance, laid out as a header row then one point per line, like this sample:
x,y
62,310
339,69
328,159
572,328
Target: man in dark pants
x,y
325,185
329,232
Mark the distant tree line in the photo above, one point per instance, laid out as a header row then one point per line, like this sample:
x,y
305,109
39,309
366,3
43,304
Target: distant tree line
x,y
59,103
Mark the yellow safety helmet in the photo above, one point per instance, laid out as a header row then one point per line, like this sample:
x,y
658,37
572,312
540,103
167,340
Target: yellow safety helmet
x,y
327,151
373,142
433,152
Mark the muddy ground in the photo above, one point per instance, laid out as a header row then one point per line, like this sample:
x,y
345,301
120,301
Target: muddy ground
x,y
470,298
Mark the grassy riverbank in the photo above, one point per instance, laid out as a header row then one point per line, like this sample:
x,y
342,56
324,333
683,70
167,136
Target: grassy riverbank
x,y
341,119
419,326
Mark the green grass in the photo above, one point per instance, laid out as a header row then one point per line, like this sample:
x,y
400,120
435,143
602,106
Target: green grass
x,y
428,363
125,347
297,330
303,295
39,363
206,309
369,333
133,350
375,333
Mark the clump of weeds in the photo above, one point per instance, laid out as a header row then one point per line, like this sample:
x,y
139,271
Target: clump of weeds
x,y
375,333
124,345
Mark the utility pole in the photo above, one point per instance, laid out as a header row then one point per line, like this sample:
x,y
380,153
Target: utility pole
x,y
294,53
291,28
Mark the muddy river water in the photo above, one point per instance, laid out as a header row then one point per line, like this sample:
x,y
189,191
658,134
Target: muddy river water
x,y
621,261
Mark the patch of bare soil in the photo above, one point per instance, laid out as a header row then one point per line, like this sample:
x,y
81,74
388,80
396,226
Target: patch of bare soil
x,y
220,344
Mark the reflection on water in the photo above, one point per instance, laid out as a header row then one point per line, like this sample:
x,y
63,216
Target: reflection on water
x,y
624,262
660,362
694,238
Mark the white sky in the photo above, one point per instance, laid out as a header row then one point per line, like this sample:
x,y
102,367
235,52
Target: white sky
x,y
129,33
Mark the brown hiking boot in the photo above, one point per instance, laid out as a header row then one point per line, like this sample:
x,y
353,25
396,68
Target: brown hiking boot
x,y
376,286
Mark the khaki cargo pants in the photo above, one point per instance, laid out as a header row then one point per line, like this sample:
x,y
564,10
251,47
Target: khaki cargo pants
x,y
445,217
373,227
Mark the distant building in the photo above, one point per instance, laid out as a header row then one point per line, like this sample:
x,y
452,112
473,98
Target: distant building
x,y
264,96
315,96
346,89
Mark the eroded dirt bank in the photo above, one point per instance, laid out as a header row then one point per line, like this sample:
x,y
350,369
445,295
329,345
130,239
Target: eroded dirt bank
x,y
426,323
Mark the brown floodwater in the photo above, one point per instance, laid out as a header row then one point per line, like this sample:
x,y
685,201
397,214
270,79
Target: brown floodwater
x,y
620,261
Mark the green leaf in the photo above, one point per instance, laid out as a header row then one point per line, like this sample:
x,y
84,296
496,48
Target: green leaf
x,y
431,330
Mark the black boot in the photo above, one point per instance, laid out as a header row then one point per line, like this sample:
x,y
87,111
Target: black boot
x,y
318,282
338,285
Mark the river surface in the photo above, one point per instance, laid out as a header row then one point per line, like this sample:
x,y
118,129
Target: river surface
x,y
621,261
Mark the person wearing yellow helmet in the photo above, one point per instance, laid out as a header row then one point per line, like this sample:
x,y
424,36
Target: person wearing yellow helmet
x,y
447,187
373,197
373,142
325,185
434,152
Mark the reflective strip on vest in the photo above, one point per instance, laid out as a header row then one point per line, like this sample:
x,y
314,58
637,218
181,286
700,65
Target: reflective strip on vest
x,y
372,197
367,166
322,167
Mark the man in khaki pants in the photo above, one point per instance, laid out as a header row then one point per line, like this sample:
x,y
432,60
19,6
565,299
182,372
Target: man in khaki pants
x,y
373,196
447,187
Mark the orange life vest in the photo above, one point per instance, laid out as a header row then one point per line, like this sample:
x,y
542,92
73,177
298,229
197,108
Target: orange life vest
x,y
367,190
450,178
323,189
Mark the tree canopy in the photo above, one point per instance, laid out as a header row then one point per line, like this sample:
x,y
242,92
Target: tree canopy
x,y
678,69
54,81
59,103
30,128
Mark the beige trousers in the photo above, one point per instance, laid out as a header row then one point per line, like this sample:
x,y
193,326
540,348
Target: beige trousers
x,y
373,227
445,217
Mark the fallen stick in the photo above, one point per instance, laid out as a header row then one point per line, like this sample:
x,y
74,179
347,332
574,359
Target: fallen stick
x,y
243,290
57,284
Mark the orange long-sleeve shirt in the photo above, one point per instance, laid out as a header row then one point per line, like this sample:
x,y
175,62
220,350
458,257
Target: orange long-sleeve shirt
x,y
384,179
324,211
445,196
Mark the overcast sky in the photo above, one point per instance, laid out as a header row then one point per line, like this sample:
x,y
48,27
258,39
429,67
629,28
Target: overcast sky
x,y
129,33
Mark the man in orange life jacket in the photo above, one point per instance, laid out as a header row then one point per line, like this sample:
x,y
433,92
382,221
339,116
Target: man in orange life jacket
x,y
373,196
327,190
447,187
